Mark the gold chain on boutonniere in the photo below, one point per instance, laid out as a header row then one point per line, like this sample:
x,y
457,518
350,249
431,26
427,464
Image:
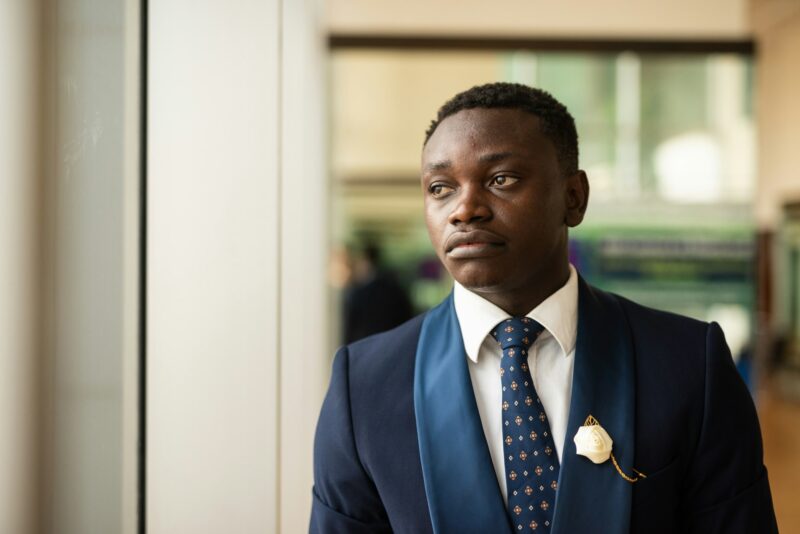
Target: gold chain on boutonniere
x,y
623,475
601,443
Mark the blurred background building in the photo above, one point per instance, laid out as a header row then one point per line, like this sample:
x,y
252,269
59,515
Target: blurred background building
x,y
198,199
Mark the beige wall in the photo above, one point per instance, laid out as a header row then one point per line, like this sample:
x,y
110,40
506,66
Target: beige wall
x,y
615,19
777,26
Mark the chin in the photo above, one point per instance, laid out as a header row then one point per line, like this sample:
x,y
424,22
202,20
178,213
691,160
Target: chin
x,y
477,277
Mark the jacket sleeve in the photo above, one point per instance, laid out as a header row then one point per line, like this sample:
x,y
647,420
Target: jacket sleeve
x,y
727,489
345,499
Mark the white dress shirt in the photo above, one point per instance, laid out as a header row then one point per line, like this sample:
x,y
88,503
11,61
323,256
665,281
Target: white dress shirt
x,y
550,359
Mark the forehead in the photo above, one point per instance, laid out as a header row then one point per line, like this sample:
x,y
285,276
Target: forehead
x,y
480,130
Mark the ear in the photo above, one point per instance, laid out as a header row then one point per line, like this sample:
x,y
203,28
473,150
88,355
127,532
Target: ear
x,y
577,198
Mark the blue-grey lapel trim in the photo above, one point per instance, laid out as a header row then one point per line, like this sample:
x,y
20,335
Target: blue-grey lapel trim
x,y
460,482
590,496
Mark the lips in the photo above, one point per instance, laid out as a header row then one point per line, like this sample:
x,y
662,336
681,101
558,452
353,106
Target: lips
x,y
473,244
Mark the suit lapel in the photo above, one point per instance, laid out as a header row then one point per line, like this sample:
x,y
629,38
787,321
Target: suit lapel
x,y
460,482
593,497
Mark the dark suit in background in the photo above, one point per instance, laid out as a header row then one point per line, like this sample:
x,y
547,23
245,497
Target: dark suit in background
x,y
374,305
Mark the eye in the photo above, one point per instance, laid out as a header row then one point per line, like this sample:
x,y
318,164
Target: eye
x,y
503,180
438,189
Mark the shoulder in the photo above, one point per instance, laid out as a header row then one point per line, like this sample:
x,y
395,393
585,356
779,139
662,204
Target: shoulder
x,y
658,327
395,342
367,372
387,357
404,333
379,375
669,353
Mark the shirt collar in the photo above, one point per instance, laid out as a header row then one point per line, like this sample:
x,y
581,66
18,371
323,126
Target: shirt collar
x,y
558,314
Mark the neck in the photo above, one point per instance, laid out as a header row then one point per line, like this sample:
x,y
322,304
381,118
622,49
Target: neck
x,y
519,301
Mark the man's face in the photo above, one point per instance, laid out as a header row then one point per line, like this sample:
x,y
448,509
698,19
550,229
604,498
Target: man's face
x,y
497,205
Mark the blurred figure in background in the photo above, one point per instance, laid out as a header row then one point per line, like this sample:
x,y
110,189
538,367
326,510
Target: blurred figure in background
x,y
374,301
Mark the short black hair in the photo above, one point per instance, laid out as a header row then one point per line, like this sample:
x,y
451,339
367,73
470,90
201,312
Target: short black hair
x,y
555,121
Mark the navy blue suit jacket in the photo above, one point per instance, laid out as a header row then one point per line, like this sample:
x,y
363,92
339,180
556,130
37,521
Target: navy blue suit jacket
x,y
400,448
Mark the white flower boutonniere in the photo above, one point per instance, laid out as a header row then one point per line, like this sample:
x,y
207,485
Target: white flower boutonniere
x,y
593,441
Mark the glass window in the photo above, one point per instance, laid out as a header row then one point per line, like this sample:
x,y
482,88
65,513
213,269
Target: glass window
x,y
666,139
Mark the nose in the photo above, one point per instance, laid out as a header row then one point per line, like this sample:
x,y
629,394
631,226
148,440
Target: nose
x,y
471,207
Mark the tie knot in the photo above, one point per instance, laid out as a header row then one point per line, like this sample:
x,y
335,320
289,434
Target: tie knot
x,y
517,332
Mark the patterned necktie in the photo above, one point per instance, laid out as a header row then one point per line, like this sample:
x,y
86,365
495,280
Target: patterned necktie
x,y
529,449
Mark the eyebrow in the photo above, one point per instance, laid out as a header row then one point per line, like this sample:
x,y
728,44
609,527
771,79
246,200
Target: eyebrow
x,y
438,165
495,156
485,158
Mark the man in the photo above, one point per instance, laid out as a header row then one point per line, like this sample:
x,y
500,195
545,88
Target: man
x,y
374,301
529,401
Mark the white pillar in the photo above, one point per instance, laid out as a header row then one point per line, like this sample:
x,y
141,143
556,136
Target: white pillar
x,y
305,321
237,313
19,231
213,266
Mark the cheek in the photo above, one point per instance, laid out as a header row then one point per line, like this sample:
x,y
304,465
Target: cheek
x,y
538,216
434,227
